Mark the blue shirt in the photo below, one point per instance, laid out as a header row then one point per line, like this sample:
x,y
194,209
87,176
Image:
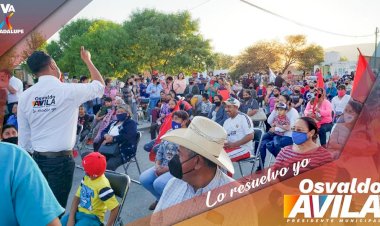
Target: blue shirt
x,y
26,196
154,90
12,120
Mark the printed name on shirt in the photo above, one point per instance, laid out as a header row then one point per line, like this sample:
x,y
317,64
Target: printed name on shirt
x,y
44,104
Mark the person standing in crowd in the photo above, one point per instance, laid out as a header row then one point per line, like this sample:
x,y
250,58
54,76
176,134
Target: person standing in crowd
x,y
279,80
168,84
26,196
331,91
348,85
154,90
155,178
202,81
212,87
47,117
15,88
322,113
261,93
192,88
339,102
239,128
179,84
218,113
109,91
196,168
130,92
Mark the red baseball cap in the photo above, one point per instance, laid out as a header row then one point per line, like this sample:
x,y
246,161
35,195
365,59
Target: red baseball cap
x,y
94,164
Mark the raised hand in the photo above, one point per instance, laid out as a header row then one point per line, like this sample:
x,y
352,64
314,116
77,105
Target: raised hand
x,y
85,54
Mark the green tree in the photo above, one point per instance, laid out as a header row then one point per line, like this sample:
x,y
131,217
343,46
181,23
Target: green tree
x,y
295,50
223,61
310,56
104,40
167,42
257,57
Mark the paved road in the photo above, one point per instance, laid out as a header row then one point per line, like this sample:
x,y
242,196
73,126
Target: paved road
x,y
138,199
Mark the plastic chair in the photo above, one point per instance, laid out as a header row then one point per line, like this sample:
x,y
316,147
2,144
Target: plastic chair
x,y
120,183
255,156
133,159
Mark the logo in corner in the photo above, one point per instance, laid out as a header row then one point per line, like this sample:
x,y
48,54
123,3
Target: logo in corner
x,y
9,11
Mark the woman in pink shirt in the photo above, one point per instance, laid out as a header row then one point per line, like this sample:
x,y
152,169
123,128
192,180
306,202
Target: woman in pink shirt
x,y
179,84
321,112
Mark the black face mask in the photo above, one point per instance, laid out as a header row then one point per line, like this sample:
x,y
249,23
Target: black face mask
x,y
175,167
276,95
247,98
296,91
319,95
131,83
311,87
217,103
12,140
191,83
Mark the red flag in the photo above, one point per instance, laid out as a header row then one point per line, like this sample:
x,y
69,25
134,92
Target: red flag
x,y
363,81
166,125
320,84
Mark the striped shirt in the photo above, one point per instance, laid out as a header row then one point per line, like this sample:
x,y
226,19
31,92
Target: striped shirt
x,y
317,157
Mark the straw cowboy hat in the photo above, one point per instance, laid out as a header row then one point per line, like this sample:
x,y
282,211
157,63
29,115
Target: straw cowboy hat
x,y
206,138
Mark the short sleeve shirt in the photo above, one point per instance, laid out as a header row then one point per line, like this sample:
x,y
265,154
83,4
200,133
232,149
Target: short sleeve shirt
x,y
96,196
26,196
239,127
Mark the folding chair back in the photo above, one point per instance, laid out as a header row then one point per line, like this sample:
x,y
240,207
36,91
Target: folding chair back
x,y
134,159
120,184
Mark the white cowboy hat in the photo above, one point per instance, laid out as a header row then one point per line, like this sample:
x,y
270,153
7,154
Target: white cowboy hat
x,y
206,138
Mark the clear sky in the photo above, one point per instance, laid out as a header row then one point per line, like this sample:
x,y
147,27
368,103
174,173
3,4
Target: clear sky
x,y
232,25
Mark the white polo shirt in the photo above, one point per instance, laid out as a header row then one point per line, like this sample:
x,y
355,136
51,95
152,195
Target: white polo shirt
x,y
18,86
239,127
48,113
338,105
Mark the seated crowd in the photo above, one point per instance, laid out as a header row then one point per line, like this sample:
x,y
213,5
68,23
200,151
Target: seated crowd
x,y
295,115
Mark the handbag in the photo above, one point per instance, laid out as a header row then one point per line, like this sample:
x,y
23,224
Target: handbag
x,y
259,116
110,149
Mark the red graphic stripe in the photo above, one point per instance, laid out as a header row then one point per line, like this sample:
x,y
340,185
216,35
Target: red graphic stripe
x,y
7,21
311,206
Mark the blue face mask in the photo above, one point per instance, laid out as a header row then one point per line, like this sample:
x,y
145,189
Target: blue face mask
x,y
176,125
122,116
299,137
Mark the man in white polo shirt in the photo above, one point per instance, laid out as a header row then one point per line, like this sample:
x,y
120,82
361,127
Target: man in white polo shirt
x,y
239,129
47,118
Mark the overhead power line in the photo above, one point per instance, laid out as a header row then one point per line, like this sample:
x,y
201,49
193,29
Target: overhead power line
x,y
199,5
305,25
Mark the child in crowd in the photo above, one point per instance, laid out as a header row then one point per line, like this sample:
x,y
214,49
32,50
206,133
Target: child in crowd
x,y
12,120
280,121
206,105
104,109
94,195
85,120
